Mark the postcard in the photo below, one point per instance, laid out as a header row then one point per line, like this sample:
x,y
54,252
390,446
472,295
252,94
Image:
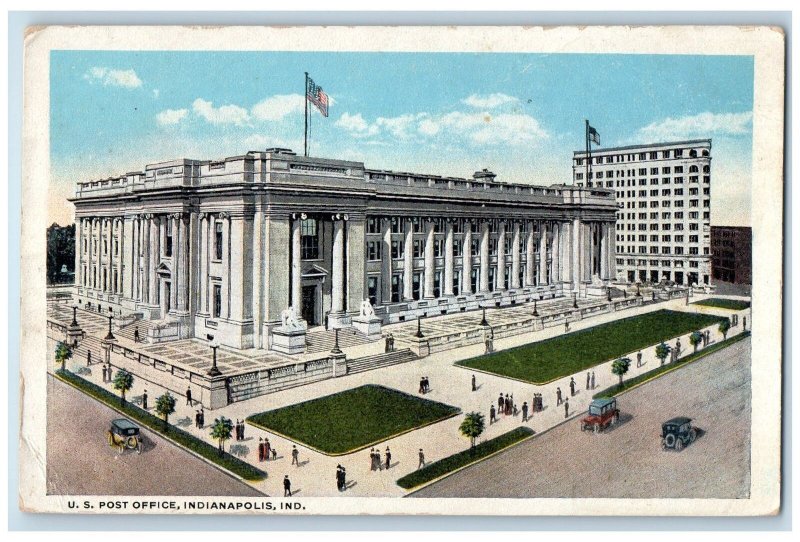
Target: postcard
x,y
402,270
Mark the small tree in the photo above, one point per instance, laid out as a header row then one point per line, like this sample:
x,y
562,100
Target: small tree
x,y
63,353
165,405
724,327
123,382
221,430
472,427
620,366
662,351
695,339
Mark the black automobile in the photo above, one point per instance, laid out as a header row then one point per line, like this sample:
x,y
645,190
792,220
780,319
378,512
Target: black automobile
x,y
124,434
677,433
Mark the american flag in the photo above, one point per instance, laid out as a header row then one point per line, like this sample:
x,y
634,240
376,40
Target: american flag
x,y
317,96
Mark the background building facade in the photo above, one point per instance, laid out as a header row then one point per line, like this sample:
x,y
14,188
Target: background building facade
x,y
222,248
664,218
731,254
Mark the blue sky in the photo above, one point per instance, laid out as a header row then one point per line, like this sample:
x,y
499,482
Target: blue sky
x,y
520,115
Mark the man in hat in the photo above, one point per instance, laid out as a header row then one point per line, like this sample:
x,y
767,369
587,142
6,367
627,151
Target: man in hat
x,y
492,415
189,396
388,458
287,486
592,379
572,387
144,400
558,396
474,387
566,408
295,456
524,411
421,459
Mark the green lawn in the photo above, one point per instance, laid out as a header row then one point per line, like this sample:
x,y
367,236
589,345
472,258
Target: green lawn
x,y
720,303
548,360
353,419
461,459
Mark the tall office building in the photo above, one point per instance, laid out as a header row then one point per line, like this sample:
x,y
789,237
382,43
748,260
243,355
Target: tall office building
x,y
663,193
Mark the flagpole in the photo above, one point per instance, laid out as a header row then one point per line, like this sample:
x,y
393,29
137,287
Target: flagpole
x,y
305,130
588,153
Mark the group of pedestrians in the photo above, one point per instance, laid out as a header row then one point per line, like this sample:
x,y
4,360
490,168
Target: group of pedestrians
x,y
590,383
265,450
200,418
505,406
424,385
108,373
375,459
239,429
341,478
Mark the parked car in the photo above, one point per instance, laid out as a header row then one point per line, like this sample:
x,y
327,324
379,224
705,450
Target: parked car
x,y
602,413
124,434
677,433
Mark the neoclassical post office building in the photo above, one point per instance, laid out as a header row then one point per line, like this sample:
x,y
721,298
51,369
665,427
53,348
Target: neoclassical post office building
x,y
222,248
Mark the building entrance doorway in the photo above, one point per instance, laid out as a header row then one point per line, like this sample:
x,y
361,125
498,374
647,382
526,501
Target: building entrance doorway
x,y
310,305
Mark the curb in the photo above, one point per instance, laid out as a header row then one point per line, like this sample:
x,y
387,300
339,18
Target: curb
x,y
167,439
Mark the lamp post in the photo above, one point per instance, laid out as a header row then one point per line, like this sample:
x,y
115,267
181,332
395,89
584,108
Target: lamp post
x,y
535,312
575,300
336,350
484,323
110,336
214,371
419,334
74,316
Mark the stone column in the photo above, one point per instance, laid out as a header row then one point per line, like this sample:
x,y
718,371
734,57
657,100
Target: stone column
x,y
565,249
448,259
466,259
355,239
203,276
515,259
530,256
429,260
484,256
134,275
408,262
337,268
386,261
177,275
258,272
226,265
96,251
146,257
78,251
612,251
587,249
185,274
121,267
297,297
241,274
555,274
500,276
577,264
603,251
542,280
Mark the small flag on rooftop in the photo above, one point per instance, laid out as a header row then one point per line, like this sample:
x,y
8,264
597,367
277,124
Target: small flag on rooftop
x,y
317,96
594,137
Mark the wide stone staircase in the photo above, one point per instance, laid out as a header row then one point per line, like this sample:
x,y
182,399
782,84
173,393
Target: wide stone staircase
x,y
319,340
128,330
378,361
88,344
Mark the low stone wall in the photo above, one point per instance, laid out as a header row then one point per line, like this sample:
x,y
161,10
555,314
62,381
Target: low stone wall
x,y
247,386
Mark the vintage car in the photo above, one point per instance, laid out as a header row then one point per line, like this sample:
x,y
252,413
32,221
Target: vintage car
x,y
602,413
124,434
677,433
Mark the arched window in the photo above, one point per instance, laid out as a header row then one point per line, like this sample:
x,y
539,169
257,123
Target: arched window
x,y
706,169
692,153
705,152
693,169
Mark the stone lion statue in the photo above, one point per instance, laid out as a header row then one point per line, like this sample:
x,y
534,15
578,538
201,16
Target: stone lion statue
x,y
366,309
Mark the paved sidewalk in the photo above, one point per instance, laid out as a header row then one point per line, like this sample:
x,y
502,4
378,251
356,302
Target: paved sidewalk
x,y
449,384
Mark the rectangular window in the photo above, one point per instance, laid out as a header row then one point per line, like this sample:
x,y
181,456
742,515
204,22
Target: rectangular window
x,y
693,251
418,248
457,248
372,290
168,239
475,248
416,286
217,301
397,282
397,250
437,284
217,240
373,250
373,225
309,240
438,248
397,225
493,247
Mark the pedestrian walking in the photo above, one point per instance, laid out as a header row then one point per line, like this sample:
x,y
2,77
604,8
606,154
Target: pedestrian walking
x,y
422,385
566,408
197,418
566,327
287,486
260,449
388,458
372,459
242,430
274,454
421,459
189,396
744,323
500,404
105,374
110,373
339,480
136,334
266,449
588,380
88,357
474,387
572,387
344,478
638,359
427,385
558,397
295,456
592,379
507,405
524,412
144,400
492,415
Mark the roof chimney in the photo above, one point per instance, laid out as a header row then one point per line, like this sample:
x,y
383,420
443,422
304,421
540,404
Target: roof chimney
x,y
484,175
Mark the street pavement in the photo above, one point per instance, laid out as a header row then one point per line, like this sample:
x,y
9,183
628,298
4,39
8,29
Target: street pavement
x,y
449,384
627,461
80,461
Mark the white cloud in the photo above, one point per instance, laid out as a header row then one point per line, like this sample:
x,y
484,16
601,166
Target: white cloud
x,y
489,101
700,125
400,127
428,127
225,114
115,78
356,125
171,116
156,92
277,107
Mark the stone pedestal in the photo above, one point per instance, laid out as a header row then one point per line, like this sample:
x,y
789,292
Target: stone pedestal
x,y
107,345
339,320
369,326
74,335
289,341
339,364
218,392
